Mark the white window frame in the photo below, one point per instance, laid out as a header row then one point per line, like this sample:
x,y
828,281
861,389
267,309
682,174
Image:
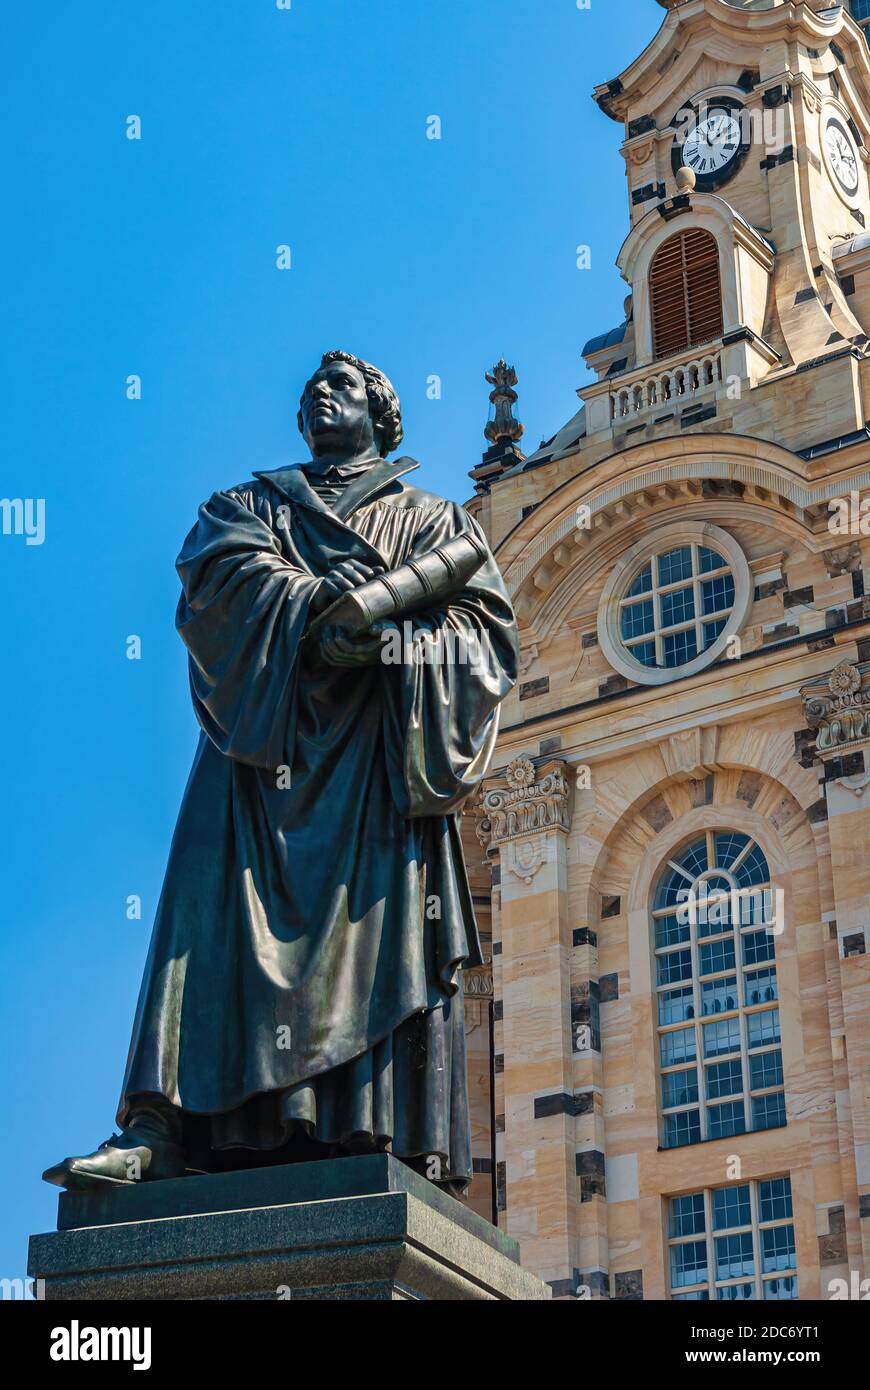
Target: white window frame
x,y
693,534
756,1226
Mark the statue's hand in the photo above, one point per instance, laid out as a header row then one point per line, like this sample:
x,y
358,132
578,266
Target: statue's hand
x,y
339,648
348,574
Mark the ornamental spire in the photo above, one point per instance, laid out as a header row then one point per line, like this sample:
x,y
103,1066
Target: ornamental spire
x,y
504,427
503,430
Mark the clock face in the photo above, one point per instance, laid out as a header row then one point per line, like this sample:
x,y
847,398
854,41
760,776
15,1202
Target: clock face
x,y
842,155
712,147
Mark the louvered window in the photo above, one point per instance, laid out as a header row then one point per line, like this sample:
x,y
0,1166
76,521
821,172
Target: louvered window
x,y
686,293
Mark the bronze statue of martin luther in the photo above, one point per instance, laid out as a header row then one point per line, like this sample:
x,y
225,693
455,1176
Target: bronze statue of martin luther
x,y
302,994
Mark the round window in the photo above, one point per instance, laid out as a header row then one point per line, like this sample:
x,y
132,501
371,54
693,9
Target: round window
x,y
673,602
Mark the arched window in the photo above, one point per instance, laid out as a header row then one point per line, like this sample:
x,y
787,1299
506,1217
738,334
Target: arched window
x,y
685,292
720,1059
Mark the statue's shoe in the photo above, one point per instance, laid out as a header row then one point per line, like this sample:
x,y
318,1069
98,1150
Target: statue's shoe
x,y
128,1157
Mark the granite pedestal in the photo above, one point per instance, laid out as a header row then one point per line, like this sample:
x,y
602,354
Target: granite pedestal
x,y
354,1228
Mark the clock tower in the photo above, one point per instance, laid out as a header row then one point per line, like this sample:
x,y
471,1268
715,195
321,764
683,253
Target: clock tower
x,y
680,1097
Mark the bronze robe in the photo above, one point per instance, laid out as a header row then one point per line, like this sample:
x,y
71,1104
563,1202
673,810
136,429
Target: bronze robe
x,y
299,975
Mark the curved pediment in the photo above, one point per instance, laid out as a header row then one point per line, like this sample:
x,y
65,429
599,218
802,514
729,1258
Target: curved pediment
x,y
716,24
584,525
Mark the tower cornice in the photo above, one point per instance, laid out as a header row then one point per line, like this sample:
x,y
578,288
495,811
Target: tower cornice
x,y
791,21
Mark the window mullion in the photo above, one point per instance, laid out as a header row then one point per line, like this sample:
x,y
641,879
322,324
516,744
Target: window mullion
x,y
741,1004
711,1248
699,1027
756,1239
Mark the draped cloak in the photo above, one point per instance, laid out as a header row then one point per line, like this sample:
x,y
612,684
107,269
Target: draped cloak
x,y
304,968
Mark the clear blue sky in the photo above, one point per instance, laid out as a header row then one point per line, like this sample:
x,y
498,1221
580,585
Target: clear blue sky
x,y
260,127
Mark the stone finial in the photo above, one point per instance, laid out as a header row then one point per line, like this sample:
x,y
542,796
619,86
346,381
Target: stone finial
x,y
686,179
841,715
532,799
503,379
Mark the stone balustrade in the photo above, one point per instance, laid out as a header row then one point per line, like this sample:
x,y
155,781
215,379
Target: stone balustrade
x,y
664,388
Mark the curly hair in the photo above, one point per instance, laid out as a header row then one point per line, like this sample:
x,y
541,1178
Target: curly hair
x,y
384,406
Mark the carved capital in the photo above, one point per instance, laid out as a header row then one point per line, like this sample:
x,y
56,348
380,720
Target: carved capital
x,y
839,711
477,982
530,800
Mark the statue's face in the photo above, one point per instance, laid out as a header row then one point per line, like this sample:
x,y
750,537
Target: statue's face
x,y
335,410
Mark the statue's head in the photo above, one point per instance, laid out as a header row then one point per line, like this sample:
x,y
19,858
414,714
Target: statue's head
x,y
348,403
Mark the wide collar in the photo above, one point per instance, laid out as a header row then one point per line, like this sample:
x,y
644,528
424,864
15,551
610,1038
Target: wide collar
x,y
294,485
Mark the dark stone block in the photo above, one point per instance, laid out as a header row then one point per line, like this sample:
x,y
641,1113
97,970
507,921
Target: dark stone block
x,y
851,765
854,945
715,488
647,193
589,1163
793,598
496,948
558,1104
563,1288
628,1287
818,812
697,417
773,586
498,1010
656,813
780,633
530,689
864,1205
592,1187
498,1063
835,617
550,745
776,96
858,583
500,1187
641,125
614,685
702,791
775,161
584,936
859,610
499,1124
610,906
584,1102
843,559
832,1249
821,644
609,988
836,1220
749,788
481,1165
804,746
589,639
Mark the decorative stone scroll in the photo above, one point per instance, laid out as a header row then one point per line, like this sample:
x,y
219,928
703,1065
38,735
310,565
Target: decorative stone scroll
x,y
841,714
534,799
477,982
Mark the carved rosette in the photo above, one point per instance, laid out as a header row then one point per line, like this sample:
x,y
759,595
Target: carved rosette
x,y
533,799
841,713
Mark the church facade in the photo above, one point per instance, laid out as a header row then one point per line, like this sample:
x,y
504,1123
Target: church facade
x,y
670,858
